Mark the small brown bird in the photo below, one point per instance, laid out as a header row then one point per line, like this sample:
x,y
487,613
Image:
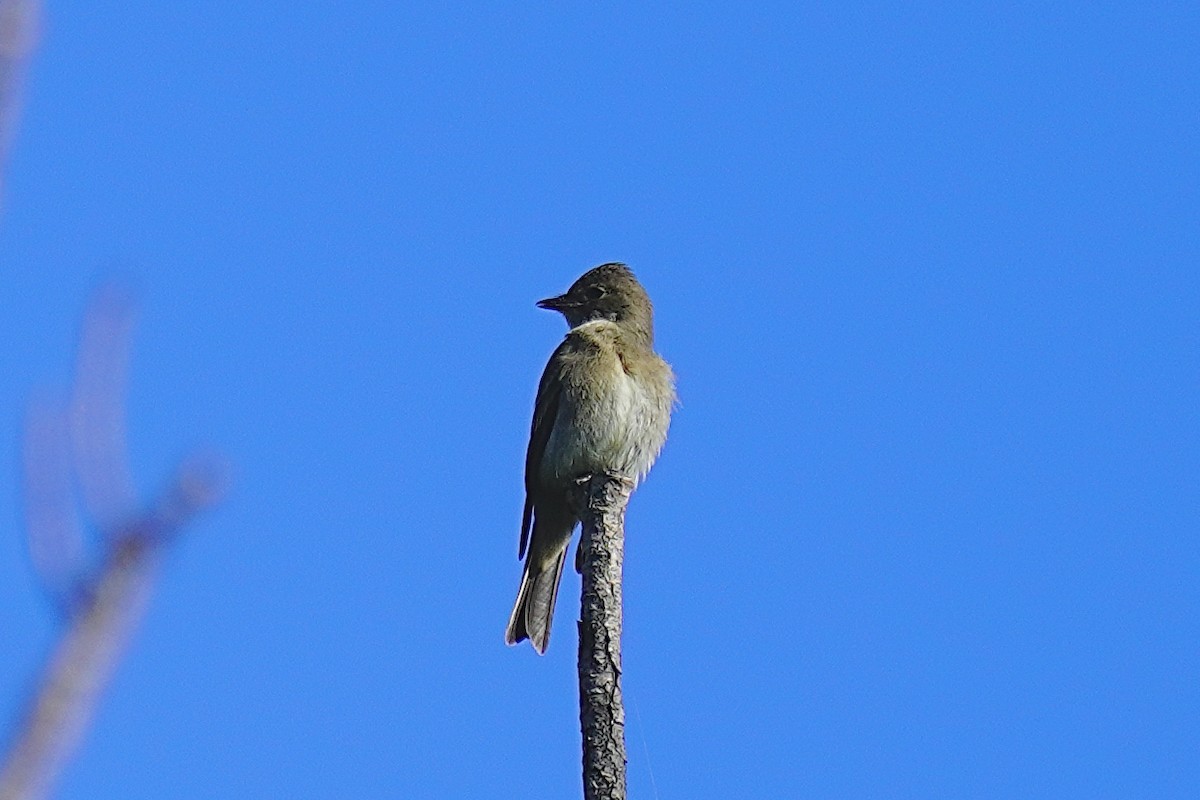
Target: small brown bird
x,y
604,404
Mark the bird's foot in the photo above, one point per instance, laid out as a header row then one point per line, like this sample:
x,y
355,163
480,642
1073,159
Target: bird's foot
x,y
620,478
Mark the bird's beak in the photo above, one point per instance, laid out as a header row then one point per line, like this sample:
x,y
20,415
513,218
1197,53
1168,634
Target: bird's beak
x,y
556,303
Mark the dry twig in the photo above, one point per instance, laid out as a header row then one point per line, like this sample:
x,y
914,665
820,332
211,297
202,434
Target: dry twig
x,y
81,446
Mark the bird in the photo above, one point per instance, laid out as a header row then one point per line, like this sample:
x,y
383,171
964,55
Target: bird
x,y
603,405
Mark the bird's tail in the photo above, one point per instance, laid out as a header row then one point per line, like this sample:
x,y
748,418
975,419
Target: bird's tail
x,y
535,601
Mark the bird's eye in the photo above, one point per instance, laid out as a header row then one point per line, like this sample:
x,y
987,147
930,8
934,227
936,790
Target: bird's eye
x,y
596,292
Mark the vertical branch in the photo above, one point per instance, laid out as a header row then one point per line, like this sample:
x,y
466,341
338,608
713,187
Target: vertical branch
x,y
601,710
104,603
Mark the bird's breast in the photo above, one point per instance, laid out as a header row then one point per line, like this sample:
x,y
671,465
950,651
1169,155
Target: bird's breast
x,y
608,419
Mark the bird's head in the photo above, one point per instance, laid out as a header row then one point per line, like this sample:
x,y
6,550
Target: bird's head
x,y
609,291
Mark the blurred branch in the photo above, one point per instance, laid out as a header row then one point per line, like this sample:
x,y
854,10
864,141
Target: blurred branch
x,y
19,25
82,445
97,411
54,534
601,709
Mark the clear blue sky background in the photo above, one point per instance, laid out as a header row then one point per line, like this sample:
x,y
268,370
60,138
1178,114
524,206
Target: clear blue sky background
x,y
926,525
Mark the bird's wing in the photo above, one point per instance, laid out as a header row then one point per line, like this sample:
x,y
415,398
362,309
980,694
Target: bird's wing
x,y
545,410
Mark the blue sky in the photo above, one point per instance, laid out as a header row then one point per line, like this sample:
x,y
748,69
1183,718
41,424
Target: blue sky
x,y
927,273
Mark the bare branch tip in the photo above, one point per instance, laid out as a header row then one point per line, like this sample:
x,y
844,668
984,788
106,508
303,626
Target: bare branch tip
x,y
20,26
203,482
199,485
